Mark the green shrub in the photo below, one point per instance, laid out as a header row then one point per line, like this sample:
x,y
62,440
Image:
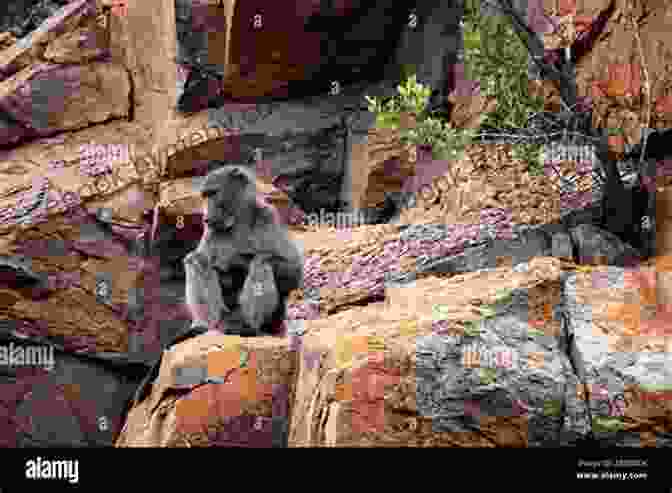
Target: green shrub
x,y
496,57
446,142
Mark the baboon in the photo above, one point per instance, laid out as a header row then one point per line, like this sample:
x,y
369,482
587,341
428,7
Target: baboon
x,y
245,265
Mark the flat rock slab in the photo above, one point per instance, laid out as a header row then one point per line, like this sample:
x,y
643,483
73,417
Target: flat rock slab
x,y
232,391
45,99
406,375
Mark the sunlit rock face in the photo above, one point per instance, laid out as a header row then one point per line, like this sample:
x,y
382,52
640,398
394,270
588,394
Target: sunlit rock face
x,y
279,53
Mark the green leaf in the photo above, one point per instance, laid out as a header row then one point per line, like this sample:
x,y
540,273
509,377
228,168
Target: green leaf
x,y
607,424
486,311
488,375
441,154
440,312
656,387
370,100
553,407
244,358
471,328
407,71
387,120
503,295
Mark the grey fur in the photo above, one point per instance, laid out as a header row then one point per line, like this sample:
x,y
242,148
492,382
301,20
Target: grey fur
x,y
245,264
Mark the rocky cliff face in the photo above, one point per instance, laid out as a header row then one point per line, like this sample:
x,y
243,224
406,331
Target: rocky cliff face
x,y
103,147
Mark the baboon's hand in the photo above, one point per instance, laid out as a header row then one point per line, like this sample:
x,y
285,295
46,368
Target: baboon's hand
x,y
198,263
259,297
203,294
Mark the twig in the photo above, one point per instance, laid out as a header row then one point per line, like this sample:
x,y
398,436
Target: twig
x,y
647,85
545,136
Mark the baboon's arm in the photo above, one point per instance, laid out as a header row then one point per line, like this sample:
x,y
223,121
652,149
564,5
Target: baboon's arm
x,y
203,293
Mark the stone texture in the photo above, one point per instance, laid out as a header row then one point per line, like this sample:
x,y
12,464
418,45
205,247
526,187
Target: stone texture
x,y
79,46
61,163
83,231
47,98
350,44
74,308
30,48
624,366
663,245
382,167
144,42
350,393
532,243
243,395
404,378
610,73
421,392
65,400
6,40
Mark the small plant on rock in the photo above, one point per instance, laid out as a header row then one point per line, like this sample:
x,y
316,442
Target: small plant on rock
x,y
445,142
532,154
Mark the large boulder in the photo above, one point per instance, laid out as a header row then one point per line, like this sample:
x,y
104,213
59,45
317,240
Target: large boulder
x,y
30,49
502,357
46,99
60,78
428,370
245,51
84,232
51,397
217,390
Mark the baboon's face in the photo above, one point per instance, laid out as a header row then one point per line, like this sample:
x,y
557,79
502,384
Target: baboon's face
x,y
223,193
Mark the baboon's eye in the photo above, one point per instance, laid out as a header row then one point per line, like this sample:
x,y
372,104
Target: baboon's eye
x,y
238,175
207,193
